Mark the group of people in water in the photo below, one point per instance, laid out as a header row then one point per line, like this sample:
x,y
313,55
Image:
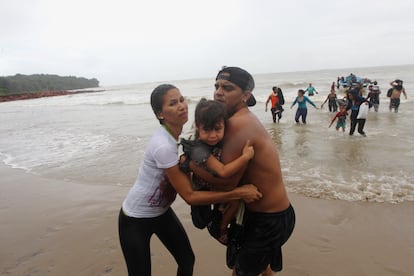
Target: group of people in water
x,y
229,173
277,101
353,101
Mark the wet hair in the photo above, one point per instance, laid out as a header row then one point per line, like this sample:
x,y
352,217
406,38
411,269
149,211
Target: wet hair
x,y
275,88
301,91
209,113
157,98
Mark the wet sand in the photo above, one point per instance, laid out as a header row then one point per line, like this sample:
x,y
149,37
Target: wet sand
x,y
54,227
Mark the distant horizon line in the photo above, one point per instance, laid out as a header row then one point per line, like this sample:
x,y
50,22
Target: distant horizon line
x,y
257,74
204,77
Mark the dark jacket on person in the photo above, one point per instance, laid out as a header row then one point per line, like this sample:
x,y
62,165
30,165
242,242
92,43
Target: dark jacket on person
x,y
354,105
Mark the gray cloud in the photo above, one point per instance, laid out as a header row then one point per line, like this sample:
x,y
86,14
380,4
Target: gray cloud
x,y
122,42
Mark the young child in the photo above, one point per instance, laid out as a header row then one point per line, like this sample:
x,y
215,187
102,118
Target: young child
x,y
341,115
205,151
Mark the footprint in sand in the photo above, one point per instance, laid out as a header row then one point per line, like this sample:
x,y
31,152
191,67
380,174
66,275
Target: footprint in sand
x,y
27,257
322,244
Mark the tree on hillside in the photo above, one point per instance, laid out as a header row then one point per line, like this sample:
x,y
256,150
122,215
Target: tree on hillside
x,y
19,83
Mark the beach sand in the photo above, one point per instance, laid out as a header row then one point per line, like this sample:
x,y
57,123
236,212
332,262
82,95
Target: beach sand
x,y
54,227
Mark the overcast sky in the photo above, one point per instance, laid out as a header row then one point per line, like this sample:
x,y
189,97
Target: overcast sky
x,y
133,41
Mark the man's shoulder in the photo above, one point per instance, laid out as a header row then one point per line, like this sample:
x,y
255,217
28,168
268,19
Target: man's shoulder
x,y
244,122
241,116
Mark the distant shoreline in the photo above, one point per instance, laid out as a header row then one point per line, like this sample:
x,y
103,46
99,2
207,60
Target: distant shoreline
x,y
35,95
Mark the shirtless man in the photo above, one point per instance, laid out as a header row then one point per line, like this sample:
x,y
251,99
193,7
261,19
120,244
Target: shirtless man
x,y
398,88
268,222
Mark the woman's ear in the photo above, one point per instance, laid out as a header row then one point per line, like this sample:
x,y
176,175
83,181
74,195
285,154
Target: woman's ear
x,y
160,117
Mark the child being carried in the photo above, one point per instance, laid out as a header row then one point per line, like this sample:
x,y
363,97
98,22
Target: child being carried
x,y
205,151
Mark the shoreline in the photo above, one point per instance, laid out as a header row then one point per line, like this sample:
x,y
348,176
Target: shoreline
x,y
42,94
56,227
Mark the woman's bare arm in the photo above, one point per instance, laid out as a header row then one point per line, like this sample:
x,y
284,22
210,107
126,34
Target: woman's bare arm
x,y
182,185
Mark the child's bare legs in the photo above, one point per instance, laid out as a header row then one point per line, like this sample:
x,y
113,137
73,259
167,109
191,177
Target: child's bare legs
x,y
228,215
343,129
268,272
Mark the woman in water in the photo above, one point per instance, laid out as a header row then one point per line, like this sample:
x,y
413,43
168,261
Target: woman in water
x,y
302,110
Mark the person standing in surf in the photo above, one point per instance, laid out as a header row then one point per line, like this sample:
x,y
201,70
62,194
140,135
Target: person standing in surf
x,y
331,99
395,95
302,110
277,100
354,104
311,90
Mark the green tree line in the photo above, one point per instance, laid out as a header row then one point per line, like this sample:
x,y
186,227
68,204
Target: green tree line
x,y
20,84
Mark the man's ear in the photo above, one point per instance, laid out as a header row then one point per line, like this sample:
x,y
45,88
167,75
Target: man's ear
x,y
246,96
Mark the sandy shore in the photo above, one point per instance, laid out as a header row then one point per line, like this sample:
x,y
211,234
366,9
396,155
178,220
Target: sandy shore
x,y
51,227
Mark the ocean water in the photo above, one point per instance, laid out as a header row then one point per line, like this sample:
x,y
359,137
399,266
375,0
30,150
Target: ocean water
x,y
99,138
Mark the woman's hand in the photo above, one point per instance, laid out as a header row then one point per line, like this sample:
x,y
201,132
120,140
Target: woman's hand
x,y
182,158
184,164
249,193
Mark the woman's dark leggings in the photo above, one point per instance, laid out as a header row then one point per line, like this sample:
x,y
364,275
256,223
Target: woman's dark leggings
x,y
333,107
301,112
135,235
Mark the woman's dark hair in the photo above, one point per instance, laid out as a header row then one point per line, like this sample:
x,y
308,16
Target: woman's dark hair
x,y
301,91
209,113
157,98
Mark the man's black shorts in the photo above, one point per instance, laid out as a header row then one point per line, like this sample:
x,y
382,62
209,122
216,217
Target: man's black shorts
x,y
259,242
